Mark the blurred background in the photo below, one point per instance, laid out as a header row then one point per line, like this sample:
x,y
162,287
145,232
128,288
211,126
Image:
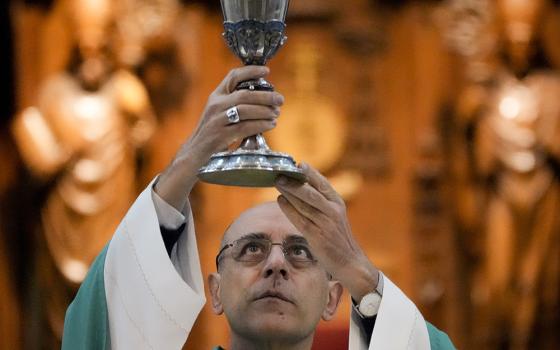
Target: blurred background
x,y
438,121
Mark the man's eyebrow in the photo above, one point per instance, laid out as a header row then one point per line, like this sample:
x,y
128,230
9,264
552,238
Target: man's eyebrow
x,y
296,239
255,235
288,239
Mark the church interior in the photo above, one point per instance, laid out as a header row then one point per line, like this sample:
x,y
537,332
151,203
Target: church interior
x,y
429,117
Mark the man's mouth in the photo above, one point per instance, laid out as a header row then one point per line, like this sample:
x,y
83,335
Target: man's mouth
x,y
274,294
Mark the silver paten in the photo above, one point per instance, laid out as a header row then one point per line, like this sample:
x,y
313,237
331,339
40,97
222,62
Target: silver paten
x,y
254,31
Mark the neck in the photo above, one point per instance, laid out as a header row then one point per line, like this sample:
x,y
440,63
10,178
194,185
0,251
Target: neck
x,y
242,343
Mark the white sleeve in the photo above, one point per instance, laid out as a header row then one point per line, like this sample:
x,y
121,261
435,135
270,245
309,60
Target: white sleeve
x,y
172,219
399,325
150,306
167,215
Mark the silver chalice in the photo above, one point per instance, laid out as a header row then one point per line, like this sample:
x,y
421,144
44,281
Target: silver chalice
x,y
254,31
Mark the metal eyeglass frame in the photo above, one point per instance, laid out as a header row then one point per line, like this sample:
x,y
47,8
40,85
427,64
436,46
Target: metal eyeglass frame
x,y
229,245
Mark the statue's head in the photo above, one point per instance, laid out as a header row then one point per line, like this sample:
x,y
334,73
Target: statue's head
x,y
91,22
519,20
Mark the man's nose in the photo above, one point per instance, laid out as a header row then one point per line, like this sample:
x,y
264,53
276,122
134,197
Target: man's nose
x,y
276,263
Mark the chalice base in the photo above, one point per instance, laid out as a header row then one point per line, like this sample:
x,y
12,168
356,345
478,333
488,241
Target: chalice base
x,y
249,168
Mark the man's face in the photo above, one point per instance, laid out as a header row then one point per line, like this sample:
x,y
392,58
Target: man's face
x,y
271,299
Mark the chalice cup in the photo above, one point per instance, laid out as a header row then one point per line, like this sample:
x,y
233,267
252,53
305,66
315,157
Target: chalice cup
x,y
254,31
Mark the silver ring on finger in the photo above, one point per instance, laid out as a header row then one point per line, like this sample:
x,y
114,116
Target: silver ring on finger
x,y
232,115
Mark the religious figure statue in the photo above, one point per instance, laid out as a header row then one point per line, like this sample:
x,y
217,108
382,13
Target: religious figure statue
x,y
509,190
82,136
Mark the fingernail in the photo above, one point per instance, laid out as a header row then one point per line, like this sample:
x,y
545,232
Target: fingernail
x,y
278,99
282,180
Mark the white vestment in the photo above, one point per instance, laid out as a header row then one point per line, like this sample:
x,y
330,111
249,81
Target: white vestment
x,y
153,301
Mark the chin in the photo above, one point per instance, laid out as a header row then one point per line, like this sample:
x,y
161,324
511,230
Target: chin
x,y
277,325
272,320
277,328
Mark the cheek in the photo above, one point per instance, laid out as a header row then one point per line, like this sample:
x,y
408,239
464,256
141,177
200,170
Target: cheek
x,y
314,293
235,287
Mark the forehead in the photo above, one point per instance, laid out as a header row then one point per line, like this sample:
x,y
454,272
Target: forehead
x,y
267,218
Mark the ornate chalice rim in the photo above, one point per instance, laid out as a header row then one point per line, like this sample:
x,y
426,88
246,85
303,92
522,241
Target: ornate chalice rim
x,y
254,41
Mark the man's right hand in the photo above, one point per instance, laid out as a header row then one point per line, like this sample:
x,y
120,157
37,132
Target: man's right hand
x,y
258,111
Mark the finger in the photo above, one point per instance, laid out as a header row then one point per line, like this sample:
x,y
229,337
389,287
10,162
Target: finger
x,y
319,182
253,112
303,224
310,212
305,193
247,128
237,75
264,98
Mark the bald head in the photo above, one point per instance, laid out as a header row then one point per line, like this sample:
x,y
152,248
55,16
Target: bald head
x,y
250,271
264,218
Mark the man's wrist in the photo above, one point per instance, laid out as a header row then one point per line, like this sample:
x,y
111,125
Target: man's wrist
x,y
176,183
363,280
368,306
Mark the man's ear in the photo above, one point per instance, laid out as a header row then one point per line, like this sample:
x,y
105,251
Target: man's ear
x,y
214,286
335,294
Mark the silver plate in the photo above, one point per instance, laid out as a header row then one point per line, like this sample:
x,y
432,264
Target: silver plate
x,y
249,168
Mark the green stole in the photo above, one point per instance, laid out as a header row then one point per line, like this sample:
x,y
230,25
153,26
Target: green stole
x,y
86,325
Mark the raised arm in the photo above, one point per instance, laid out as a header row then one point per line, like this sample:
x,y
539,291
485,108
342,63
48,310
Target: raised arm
x,y
320,214
137,295
258,111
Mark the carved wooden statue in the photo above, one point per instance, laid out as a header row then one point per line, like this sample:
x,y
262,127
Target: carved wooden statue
x,y
82,135
512,120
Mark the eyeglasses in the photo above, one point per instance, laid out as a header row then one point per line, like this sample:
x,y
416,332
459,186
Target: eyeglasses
x,y
257,249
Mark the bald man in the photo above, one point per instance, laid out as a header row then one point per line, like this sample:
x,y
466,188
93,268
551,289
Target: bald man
x,y
281,266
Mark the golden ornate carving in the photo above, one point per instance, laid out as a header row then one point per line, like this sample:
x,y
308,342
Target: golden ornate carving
x,y
512,120
312,128
143,25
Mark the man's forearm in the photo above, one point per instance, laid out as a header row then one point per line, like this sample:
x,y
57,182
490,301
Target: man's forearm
x,y
176,182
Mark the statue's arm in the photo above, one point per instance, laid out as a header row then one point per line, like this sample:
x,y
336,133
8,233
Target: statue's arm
x,y
37,143
134,101
549,126
471,162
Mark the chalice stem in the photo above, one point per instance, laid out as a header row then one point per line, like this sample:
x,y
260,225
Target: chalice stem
x,y
255,142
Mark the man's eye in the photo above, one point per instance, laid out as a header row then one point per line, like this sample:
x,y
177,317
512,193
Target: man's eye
x,y
252,249
300,252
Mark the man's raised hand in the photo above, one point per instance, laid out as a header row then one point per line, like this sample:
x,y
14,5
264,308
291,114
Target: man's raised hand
x,y
257,111
319,212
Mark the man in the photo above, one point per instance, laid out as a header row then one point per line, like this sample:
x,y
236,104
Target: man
x,y
281,267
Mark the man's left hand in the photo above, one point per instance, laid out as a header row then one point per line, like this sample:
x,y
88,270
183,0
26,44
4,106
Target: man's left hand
x,y
319,212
